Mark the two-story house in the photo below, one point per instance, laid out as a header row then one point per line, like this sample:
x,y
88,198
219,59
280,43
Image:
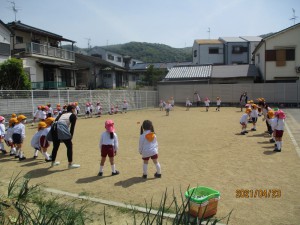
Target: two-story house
x,y
278,56
49,65
5,34
224,51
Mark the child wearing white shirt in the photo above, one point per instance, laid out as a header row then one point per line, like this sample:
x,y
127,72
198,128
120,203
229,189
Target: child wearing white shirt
x,y
218,104
207,101
244,121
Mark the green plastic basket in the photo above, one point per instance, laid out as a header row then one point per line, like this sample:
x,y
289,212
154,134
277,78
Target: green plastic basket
x,y
201,194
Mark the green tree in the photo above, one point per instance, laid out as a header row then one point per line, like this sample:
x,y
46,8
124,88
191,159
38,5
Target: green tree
x,y
13,76
153,76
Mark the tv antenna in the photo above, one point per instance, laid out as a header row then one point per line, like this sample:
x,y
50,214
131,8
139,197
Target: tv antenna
x,y
208,33
14,8
294,16
89,42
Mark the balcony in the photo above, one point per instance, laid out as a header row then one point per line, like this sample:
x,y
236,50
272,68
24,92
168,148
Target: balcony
x,y
48,85
35,49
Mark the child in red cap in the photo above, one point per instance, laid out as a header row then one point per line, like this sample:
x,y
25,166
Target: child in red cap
x,y
108,147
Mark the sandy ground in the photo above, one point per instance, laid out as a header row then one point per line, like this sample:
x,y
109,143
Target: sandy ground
x,y
196,148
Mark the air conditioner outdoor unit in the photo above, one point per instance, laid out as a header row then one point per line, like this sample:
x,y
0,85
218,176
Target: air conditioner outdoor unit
x,y
297,69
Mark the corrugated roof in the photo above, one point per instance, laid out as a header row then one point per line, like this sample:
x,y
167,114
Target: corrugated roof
x,y
229,71
144,66
231,39
189,72
251,38
208,41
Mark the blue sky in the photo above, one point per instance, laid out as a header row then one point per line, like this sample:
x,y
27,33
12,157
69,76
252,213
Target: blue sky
x,y
176,23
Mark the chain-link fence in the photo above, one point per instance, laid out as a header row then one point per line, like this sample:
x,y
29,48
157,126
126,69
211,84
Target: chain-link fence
x,y
26,102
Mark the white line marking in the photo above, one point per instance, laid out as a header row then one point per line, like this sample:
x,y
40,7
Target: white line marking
x,y
293,139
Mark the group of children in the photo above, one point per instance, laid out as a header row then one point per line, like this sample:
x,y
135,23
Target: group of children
x,y
274,118
89,109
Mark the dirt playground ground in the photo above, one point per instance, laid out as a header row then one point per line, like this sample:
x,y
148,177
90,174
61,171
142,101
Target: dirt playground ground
x,y
196,148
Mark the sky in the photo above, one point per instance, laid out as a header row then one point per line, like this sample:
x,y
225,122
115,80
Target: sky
x,y
176,23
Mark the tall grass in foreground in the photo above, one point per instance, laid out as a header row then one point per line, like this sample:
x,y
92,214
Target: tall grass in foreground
x,y
26,205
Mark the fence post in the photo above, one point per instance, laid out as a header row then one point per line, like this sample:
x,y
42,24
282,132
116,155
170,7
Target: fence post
x,y
68,97
59,97
32,102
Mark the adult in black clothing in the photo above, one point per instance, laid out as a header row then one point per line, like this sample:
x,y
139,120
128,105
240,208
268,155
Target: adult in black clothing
x,y
243,100
69,118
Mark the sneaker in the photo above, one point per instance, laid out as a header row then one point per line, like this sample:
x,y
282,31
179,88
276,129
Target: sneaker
x,y
55,164
16,156
73,166
115,173
246,131
277,150
35,157
100,174
242,133
157,175
12,154
48,160
21,159
144,176
271,140
253,129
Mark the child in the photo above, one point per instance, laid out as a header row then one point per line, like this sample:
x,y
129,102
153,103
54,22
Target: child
x,y
98,109
109,146
244,121
125,106
87,110
19,136
2,134
148,148
218,104
207,101
161,105
111,112
36,143
77,108
188,104
49,111
116,109
8,136
279,129
272,122
168,107
254,116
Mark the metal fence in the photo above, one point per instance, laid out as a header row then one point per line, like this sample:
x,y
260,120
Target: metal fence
x,y
26,102
274,93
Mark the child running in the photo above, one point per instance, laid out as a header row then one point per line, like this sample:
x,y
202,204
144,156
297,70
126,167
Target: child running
x,y
188,104
148,148
125,106
207,101
19,136
108,147
168,107
8,136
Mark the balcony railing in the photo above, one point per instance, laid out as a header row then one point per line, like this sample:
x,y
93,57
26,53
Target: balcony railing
x,y
45,50
47,85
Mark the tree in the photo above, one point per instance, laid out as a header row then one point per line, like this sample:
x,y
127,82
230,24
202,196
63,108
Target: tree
x,y
153,75
13,76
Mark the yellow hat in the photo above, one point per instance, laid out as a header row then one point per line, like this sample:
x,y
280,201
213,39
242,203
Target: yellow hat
x,y
271,114
21,117
254,106
49,121
13,115
12,121
248,110
42,124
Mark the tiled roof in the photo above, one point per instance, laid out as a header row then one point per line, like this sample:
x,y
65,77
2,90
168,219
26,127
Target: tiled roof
x,y
189,72
145,66
229,71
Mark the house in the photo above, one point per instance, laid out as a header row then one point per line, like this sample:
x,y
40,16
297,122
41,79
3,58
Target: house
x,y
277,56
225,50
5,34
49,65
212,74
93,72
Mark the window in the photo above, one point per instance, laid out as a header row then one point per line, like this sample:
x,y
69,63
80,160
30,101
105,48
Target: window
x,y
119,59
280,54
19,39
111,57
195,53
239,49
107,75
213,50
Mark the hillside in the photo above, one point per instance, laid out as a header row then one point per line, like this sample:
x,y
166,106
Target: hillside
x,y
146,52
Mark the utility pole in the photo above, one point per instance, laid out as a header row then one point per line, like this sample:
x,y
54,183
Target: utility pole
x,y
89,44
208,33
